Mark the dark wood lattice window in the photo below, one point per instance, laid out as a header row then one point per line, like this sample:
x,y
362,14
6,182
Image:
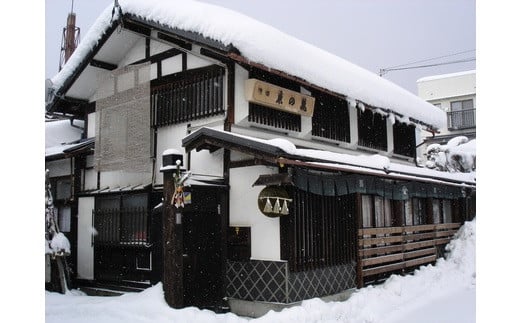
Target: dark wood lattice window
x,y
331,119
319,232
404,139
188,95
121,220
274,118
372,130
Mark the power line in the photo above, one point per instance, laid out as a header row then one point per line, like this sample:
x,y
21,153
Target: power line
x,y
434,58
383,71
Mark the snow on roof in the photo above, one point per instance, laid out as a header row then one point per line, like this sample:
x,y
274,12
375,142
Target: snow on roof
x,y
374,164
444,76
263,44
60,132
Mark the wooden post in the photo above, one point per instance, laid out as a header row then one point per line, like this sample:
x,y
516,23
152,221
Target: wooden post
x,y
359,224
172,242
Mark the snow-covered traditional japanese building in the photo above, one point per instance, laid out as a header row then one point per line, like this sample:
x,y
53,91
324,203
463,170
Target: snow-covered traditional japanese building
x,y
302,176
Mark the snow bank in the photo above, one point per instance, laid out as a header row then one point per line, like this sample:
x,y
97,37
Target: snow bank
x,y
394,301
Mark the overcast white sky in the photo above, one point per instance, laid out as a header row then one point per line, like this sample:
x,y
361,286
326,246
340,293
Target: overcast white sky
x,y
373,34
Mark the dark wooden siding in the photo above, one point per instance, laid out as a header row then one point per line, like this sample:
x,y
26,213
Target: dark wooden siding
x,y
319,232
189,95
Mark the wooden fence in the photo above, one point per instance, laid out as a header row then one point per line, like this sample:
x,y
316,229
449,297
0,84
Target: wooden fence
x,y
384,251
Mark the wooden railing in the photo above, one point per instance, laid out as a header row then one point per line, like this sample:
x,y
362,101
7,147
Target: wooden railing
x,y
383,251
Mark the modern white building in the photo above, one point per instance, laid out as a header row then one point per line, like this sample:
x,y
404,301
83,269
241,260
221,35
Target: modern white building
x,y
455,94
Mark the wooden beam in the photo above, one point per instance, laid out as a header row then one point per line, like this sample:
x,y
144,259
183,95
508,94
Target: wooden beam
x,y
103,65
179,42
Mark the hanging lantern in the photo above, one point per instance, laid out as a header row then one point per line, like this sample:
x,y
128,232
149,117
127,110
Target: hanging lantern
x,y
277,195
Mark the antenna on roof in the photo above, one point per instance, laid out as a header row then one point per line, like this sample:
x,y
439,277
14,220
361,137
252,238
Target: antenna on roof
x,y
70,38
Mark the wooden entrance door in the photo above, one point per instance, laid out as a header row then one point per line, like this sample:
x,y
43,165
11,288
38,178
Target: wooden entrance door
x,y
202,259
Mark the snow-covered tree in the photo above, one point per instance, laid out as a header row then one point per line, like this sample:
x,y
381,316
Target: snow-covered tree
x,y
57,246
458,155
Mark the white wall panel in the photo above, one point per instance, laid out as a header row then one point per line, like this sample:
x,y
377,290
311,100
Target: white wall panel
x,y
243,211
91,128
241,104
85,238
196,62
90,179
171,65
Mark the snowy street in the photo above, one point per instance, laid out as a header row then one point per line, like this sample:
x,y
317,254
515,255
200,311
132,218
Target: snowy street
x,y
441,293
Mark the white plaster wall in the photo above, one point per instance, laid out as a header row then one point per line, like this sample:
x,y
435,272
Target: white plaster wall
x,y
59,167
171,65
196,62
90,179
85,248
169,137
202,162
243,211
91,128
157,47
241,104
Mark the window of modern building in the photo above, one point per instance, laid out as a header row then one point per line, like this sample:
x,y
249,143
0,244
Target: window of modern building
x,y
461,114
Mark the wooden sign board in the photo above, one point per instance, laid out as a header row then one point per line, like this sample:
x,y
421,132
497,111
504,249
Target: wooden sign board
x,y
279,98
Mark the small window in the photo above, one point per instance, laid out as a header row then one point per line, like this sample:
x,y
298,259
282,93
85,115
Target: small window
x,y
64,218
461,114
404,139
447,211
419,211
366,206
436,210
63,189
372,130
143,261
408,211
331,119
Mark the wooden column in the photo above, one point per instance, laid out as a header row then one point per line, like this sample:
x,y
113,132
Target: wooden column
x,y
359,224
172,243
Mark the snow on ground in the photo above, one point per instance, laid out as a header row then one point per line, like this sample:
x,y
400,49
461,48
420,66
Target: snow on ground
x,y
441,293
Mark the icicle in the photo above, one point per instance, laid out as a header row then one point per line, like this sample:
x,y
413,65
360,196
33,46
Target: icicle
x,y
268,207
285,209
277,207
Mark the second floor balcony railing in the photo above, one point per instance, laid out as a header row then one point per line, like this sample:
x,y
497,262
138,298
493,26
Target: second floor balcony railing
x,y
461,119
